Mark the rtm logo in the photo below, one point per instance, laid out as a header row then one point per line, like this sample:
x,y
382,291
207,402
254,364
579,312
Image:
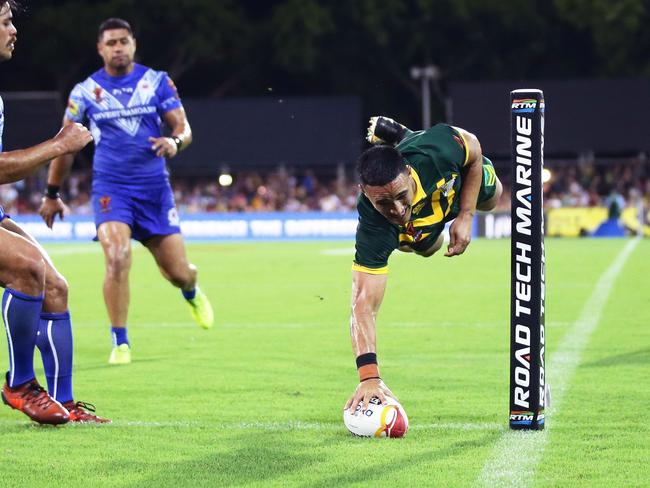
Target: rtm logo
x,y
524,105
518,417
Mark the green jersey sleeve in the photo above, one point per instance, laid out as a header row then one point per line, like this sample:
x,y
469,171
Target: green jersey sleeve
x,y
376,239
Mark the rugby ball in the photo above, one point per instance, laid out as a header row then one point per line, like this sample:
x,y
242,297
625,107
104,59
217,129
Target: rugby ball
x,y
378,420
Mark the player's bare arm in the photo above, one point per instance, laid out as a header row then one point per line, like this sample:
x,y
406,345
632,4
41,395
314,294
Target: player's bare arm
x,y
17,165
52,204
367,295
460,232
181,135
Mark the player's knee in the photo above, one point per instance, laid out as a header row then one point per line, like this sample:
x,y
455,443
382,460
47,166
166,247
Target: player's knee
x,y
118,261
30,273
181,276
56,288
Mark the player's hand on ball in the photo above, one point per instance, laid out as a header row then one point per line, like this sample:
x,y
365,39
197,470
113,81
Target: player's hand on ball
x,y
73,138
50,208
366,390
163,146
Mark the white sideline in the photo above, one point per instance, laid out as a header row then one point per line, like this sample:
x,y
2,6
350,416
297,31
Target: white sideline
x,y
516,454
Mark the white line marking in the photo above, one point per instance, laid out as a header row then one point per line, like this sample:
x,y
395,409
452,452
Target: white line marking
x,y
516,455
296,425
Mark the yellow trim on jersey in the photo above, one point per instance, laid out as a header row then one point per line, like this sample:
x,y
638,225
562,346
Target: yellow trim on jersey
x,y
408,239
460,133
373,271
419,191
438,214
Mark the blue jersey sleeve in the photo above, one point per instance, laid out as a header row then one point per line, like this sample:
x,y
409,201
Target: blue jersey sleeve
x,y
167,95
76,109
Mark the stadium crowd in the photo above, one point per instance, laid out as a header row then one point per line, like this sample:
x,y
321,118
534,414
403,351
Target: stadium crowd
x,y
584,184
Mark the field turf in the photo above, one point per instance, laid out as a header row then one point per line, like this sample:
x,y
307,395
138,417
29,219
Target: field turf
x,y
257,400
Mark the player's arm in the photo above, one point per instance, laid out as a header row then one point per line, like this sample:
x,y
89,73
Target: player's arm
x,y
51,204
460,232
16,165
367,295
180,138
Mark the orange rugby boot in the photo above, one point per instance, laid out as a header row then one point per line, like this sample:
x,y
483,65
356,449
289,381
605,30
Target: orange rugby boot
x,y
31,399
82,412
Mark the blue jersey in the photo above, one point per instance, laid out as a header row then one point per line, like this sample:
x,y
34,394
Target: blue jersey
x,y
122,113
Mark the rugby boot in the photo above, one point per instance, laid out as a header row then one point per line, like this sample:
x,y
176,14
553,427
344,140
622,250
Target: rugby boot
x,y
120,355
201,309
384,130
84,413
32,399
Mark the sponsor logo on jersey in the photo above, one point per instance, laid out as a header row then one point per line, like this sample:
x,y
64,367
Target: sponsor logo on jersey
x,y
120,91
416,234
418,207
448,186
105,202
73,107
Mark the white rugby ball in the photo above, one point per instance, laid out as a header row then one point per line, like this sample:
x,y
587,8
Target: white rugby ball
x,y
378,420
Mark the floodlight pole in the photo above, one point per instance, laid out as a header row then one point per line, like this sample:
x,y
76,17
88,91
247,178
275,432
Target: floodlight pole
x,y
426,74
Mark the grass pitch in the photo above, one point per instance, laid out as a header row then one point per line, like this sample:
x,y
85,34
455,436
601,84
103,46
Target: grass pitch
x,y
257,400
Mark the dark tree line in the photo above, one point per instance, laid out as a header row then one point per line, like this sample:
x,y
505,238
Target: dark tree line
x,y
226,48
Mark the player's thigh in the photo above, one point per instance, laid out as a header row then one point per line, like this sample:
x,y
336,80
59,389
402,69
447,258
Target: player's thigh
x,y
169,253
21,265
12,226
491,188
115,238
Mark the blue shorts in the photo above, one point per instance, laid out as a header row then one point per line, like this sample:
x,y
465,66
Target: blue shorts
x,y
3,215
149,212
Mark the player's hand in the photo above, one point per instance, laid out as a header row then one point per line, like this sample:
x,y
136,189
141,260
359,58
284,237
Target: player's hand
x,y
164,147
460,233
50,208
73,138
365,391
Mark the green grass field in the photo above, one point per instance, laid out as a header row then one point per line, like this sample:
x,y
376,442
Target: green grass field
x,y
257,401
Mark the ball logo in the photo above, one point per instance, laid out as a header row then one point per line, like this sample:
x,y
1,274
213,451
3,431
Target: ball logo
x,y
392,423
377,420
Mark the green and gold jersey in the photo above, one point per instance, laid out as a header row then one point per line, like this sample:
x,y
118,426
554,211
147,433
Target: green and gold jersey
x,y
436,157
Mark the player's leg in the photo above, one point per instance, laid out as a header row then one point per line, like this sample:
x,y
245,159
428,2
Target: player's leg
x,y
54,339
22,274
115,238
171,258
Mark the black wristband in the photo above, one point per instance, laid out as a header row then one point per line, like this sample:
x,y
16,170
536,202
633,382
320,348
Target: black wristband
x,y
367,358
370,378
52,191
178,141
